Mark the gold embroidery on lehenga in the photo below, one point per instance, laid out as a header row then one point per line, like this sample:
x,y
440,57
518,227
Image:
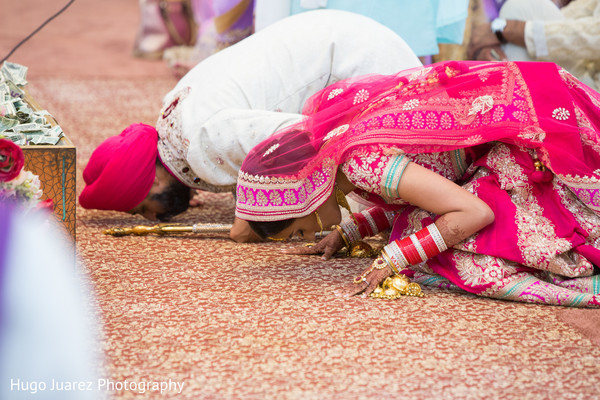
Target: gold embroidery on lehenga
x,y
473,268
481,269
446,121
510,283
360,167
568,78
418,121
474,139
537,239
577,181
525,287
520,104
498,114
336,132
533,133
526,110
481,104
589,136
585,217
484,75
388,121
521,116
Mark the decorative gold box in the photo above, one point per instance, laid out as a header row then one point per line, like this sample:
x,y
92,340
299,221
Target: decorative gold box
x,y
55,165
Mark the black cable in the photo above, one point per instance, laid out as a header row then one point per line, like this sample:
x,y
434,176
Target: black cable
x,y
37,30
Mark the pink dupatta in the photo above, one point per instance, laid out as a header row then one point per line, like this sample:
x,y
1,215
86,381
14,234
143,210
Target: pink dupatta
x,y
441,107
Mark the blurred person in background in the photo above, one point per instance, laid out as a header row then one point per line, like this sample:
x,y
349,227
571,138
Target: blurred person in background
x,y
422,24
49,334
564,32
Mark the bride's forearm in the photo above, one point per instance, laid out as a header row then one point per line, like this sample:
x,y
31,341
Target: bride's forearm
x,y
457,226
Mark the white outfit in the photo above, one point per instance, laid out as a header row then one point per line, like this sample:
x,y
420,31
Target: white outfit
x,y
569,36
234,99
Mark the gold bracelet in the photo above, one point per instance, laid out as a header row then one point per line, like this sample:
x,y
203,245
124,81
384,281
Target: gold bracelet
x,y
343,235
387,259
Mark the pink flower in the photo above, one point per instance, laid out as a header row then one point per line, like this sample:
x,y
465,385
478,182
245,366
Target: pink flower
x,y
11,160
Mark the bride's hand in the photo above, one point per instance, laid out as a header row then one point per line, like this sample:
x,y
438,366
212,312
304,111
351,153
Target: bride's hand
x,y
328,246
368,280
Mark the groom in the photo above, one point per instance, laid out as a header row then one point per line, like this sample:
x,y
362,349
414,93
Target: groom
x,y
230,102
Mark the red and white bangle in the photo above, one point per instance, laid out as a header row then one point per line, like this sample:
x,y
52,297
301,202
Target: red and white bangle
x,y
396,257
437,237
430,240
367,223
378,219
416,248
388,259
365,229
351,230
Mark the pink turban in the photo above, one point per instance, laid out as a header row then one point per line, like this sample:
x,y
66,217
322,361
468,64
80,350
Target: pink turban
x,y
121,170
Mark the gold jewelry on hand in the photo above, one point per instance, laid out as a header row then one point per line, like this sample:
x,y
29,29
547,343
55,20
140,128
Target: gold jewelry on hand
x,y
358,249
387,259
340,198
319,222
343,235
380,263
363,277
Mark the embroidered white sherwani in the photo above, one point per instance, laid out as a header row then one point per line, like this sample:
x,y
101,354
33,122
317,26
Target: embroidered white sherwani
x,y
569,36
234,99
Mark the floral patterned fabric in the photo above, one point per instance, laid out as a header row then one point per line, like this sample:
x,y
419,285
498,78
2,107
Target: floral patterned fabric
x,y
521,136
533,253
535,262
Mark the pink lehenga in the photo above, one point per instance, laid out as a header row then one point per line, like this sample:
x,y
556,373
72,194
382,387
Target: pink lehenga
x,y
523,137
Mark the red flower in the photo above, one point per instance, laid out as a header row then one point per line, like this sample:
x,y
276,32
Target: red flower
x,y
46,205
11,160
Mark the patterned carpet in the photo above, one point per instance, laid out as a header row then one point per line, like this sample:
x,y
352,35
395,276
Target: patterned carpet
x,y
247,321
234,321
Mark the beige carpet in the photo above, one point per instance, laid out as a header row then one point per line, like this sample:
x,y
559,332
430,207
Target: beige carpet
x,y
246,321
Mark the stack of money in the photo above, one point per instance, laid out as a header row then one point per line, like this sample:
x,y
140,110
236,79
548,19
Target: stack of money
x,y
18,121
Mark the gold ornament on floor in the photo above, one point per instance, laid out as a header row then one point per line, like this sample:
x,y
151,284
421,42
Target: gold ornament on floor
x,y
395,287
357,249
167,229
392,287
362,250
